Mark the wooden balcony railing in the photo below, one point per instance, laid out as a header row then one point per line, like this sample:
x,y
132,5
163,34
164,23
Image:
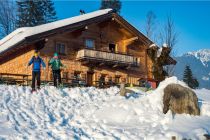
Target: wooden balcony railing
x,y
107,57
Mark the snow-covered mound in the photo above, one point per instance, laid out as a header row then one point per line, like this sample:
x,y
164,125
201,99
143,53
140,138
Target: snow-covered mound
x,y
91,113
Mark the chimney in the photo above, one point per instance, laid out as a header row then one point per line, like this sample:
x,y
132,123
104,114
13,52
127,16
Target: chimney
x,y
82,12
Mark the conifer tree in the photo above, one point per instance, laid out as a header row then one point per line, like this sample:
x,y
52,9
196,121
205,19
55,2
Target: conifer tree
x,y
7,17
35,12
49,11
188,78
114,4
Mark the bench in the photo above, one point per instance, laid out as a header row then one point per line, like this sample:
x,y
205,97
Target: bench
x,y
105,84
14,79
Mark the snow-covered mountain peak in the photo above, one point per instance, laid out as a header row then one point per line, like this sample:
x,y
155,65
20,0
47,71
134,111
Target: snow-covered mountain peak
x,y
199,62
203,55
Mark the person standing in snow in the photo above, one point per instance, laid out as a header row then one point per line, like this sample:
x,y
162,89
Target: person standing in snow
x,y
56,65
36,71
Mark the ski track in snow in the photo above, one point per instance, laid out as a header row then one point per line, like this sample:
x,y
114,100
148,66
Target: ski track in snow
x,y
90,113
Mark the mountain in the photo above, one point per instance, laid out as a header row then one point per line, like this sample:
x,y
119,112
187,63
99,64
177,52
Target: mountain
x,y
203,55
199,62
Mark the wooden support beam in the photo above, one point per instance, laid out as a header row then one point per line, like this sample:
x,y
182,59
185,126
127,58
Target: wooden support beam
x,y
127,41
115,65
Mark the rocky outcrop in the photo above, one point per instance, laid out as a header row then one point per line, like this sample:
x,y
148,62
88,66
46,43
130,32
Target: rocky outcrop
x,y
180,100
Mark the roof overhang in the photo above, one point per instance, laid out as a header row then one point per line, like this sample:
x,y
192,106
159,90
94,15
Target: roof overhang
x,y
73,27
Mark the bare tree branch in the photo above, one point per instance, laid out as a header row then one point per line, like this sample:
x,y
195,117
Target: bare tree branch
x,y
170,34
150,24
170,37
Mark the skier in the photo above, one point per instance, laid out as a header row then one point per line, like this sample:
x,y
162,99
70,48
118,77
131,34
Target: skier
x,y
37,62
56,65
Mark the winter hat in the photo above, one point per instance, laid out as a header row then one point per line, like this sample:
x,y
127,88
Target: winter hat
x,y
36,53
55,54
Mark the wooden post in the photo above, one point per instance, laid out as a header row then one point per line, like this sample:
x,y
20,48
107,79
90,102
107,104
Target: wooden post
x,y
122,89
173,138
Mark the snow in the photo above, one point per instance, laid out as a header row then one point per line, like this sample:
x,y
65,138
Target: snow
x,y
205,78
204,99
91,113
153,45
160,49
21,33
165,45
159,52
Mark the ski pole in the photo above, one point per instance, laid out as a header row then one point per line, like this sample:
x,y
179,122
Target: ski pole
x,y
27,73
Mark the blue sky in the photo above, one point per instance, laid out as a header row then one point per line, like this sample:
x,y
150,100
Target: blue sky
x,y
192,19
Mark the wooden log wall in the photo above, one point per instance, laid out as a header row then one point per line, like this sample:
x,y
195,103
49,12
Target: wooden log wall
x,y
110,32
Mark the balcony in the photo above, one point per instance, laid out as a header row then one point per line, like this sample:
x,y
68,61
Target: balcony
x,y
106,58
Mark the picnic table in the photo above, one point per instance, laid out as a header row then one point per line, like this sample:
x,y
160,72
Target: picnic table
x,y
104,84
78,82
72,82
11,78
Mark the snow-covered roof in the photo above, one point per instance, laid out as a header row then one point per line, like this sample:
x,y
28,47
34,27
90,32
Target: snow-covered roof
x,y
21,33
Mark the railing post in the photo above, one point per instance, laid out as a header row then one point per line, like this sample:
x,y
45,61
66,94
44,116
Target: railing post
x,y
122,89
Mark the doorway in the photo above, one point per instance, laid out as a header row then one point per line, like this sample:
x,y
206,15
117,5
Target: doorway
x,y
90,78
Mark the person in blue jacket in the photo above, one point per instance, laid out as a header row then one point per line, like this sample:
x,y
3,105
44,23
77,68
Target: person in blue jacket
x,y
36,70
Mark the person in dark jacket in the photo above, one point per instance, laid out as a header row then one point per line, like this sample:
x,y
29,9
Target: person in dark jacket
x,y
56,65
37,63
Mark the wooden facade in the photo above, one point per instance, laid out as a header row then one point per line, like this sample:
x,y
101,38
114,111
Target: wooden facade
x,y
107,46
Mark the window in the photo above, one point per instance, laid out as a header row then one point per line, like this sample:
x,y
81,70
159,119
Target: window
x,y
117,79
77,74
112,47
137,61
90,43
60,48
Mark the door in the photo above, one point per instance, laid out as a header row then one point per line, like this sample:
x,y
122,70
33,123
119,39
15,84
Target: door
x,y
90,78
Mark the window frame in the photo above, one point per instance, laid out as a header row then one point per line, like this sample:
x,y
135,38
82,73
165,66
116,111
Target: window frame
x,y
90,39
59,50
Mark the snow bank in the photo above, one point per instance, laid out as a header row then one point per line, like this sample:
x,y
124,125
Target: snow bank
x,y
204,100
91,113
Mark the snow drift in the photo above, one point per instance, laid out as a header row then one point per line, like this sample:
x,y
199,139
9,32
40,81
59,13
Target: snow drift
x,y
91,113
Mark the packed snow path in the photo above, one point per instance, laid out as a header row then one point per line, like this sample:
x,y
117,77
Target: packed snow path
x,y
90,113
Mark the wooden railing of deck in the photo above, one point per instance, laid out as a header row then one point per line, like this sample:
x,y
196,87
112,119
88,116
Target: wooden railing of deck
x,y
107,56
